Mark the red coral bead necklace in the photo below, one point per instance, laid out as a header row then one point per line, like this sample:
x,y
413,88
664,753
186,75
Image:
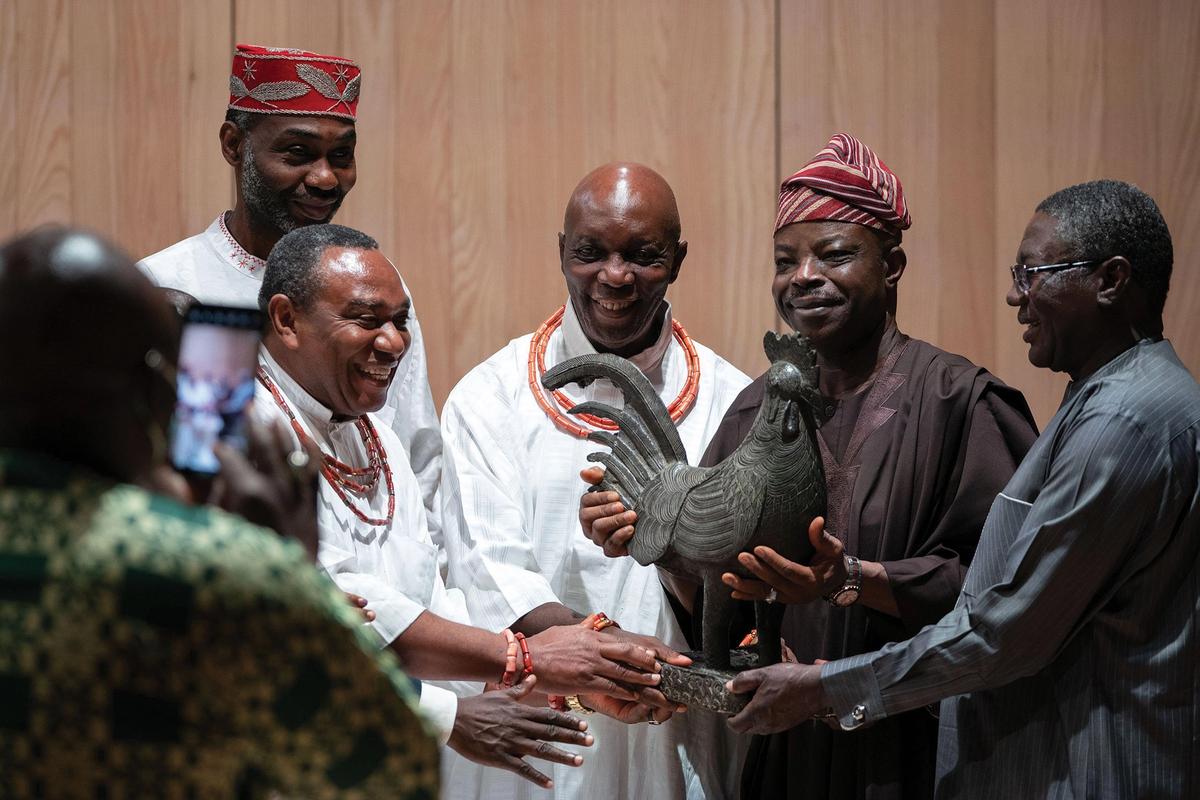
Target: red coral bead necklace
x,y
343,478
679,407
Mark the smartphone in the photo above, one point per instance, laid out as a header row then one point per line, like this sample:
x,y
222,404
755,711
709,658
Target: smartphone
x,y
218,356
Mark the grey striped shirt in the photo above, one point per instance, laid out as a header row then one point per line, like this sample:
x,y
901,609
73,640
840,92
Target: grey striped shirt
x,y
1071,661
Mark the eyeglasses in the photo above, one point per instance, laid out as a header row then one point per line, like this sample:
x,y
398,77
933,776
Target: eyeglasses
x,y
1021,272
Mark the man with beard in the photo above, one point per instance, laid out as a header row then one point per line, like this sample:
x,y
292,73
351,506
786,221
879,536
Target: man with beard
x,y
915,444
512,452
1067,668
289,135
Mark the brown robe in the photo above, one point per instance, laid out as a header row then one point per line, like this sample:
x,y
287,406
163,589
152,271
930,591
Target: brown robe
x,y
913,460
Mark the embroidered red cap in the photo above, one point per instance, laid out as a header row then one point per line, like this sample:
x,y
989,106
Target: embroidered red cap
x,y
845,182
276,80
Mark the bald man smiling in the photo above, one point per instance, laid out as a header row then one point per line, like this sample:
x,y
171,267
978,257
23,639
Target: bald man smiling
x,y
511,485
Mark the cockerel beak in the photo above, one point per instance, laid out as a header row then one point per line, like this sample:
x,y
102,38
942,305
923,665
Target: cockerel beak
x,y
791,422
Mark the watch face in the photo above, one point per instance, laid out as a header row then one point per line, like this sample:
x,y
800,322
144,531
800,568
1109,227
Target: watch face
x,y
846,597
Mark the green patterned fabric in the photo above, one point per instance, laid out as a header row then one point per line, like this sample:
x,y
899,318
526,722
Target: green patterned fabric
x,y
148,649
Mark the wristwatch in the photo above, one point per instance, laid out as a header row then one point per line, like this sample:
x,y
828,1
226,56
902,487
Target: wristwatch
x,y
848,594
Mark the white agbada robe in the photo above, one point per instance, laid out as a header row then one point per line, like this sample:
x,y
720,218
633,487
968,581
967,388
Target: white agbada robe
x,y
394,567
510,489
213,268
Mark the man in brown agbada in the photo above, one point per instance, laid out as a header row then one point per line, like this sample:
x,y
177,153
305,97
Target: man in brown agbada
x,y
916,443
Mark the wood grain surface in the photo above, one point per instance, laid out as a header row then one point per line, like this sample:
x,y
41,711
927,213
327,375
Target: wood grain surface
x,y
479,116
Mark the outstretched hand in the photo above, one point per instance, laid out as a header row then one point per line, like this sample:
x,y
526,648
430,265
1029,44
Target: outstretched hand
x,y
497,730
784,696
649,697
604,518
631,712
570,659
792,582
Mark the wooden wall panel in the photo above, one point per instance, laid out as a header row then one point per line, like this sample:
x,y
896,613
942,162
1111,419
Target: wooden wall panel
x,y
9,128
103,124
685,88
42,146
479,116
1176,135
133,173
96,90
403,192
305,24
205,42
922,98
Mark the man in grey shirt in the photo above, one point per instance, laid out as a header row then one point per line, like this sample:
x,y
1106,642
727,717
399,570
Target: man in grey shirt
x,y
1067,669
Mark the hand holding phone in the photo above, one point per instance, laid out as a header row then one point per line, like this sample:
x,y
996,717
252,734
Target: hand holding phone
x,y
218,356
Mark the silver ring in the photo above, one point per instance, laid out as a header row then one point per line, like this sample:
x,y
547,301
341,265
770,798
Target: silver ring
x,y
772,596
297,459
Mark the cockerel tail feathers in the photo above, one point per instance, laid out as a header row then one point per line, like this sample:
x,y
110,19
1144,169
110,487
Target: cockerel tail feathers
x,y
632,426
617,477
645,451
640,397
641,471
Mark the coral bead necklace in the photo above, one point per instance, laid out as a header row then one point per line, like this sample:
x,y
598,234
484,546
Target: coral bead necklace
x,y
537,366
343,478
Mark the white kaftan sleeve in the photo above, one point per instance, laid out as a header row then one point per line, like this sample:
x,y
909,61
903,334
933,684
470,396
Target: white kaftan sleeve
x,y
491,556
440,707
414,586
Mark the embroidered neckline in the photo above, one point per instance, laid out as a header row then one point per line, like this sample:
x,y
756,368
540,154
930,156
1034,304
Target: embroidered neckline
x,y
242,261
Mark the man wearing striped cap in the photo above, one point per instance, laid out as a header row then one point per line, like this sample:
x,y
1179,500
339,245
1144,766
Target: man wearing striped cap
x,y
915,444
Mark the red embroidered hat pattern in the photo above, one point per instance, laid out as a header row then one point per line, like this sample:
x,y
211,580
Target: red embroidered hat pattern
x,y
276,80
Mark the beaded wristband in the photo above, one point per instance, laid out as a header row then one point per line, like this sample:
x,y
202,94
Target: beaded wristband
x,y
598,622
510,660
526,658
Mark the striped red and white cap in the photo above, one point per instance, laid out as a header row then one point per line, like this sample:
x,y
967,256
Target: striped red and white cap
x,y
845,182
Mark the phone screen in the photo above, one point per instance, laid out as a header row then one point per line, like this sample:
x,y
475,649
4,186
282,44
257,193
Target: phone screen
x,y
218,355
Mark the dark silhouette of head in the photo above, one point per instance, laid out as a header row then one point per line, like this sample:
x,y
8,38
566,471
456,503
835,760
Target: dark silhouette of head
x,y
87,346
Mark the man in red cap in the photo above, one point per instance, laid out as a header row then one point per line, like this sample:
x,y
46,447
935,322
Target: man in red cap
x,y
915,443
289,134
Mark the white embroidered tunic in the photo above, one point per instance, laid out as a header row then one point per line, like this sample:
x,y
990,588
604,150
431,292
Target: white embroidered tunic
x,y
215,269
510,491
395,567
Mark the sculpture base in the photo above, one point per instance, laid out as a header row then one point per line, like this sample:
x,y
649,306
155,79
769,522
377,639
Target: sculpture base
x,y
701,686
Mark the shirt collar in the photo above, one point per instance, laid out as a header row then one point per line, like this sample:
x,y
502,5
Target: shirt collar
x,y
574,342
231,252
1116,363
302,403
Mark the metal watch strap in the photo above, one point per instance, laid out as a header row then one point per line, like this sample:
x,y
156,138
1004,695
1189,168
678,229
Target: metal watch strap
x,y
853,581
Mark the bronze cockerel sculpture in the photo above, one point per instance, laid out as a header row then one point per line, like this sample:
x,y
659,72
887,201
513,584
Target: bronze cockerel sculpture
x,y
695,520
